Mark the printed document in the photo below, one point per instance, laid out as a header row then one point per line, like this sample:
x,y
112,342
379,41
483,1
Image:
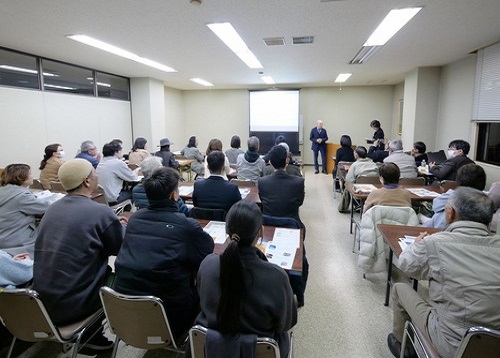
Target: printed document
x,y
216,229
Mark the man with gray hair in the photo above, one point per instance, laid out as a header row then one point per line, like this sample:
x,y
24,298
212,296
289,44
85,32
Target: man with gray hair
x,y
250,164
89,151
462,265
405,162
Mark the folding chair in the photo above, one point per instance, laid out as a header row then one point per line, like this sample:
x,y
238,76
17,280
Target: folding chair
x,y
25,316
37,184
208,214
265,347
477,342
139,321
57,187
100,197
412,181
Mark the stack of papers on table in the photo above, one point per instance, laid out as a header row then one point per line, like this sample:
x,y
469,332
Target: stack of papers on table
x,y
364,188
406,241
244,192
216,229
49,196
185,190
281,251
423,193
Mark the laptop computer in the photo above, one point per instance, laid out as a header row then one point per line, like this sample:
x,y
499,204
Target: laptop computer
x,y
436,157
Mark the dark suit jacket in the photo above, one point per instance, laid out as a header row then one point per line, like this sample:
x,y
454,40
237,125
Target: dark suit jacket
x,y
281,194
215,193
315,135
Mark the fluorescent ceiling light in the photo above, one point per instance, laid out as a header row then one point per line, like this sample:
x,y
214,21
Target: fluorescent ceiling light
x,y
87,40
58,87
392,23
26,70
268,80
202,82
342,77
226,32
364,54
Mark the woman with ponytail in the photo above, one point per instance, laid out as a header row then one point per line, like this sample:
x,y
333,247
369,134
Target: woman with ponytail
x,y
240,292
49,166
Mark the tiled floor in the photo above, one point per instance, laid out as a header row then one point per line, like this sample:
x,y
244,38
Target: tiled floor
x,y
343,314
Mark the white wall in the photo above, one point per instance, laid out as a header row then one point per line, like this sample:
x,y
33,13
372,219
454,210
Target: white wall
x,y
174,119
223,113
30,120
455,110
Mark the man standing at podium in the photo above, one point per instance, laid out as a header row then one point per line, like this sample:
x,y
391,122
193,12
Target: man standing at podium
x,y
318,138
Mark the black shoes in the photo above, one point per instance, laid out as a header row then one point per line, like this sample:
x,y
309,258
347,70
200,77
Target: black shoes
x,y
324,172
395,347
316,172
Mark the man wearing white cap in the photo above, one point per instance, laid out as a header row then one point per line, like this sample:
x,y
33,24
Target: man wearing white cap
x,y
166,155
77,235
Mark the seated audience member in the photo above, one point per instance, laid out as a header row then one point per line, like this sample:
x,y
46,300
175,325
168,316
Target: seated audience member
x,y
113,172
279,139
216,145
89,151
16,270
235,150
190,151
77,236
215,192
418,152
343,154
494,195
290,169
282,195
138,152
457,156
469,175
405,162
234,288
363,166
50,164
168,158
378,151
148,166
250,164
18,207
389,194
162,251
462,266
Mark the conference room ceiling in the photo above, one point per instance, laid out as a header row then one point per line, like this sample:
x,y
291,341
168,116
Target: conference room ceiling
x,y
174,32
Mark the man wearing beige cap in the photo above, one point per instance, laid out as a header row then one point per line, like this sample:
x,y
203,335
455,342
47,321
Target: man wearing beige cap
x,y
71,252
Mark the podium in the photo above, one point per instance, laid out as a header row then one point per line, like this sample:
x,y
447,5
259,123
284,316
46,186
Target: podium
x,y
331,151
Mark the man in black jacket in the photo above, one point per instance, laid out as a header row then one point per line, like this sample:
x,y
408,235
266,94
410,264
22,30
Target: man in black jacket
x,y
162,251
457,157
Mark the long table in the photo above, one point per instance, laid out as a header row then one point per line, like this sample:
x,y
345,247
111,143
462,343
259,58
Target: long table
x,y
253,194
361,197
268,234
391,235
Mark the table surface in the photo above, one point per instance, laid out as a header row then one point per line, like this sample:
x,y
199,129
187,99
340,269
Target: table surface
x,y
267,236
363,196
253,195
392,234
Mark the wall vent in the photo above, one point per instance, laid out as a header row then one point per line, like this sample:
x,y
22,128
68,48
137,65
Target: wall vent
x,y
274,41
302,40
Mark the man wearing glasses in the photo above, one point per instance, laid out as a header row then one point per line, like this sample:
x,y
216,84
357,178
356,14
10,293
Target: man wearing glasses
x,y
457,157
89,151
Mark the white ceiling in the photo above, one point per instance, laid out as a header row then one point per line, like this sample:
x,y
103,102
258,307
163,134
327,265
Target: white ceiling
x,y
174,32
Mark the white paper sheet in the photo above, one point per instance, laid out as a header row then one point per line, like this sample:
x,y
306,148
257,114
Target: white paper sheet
x,y
185,190
406,241
216,229
423,192
244,192
281,255
46,195
364,188
287,237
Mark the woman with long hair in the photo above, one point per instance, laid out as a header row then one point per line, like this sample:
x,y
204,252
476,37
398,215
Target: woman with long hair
x,y
18,207
191,151
49,166
240,292
213,145
138,152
